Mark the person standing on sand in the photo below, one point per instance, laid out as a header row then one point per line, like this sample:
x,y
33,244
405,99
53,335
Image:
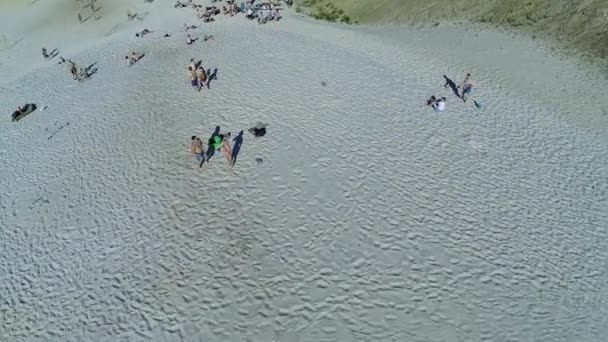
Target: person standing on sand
x,y
193,78
467,87
202,77
197,149
227,149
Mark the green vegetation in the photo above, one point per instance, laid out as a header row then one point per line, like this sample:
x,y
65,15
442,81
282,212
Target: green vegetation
x,y
324,10
582,25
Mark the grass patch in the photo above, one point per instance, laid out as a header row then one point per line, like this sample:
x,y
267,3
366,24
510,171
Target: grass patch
x,y
325,10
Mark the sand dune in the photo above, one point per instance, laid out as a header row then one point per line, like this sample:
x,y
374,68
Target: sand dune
x,y
370,217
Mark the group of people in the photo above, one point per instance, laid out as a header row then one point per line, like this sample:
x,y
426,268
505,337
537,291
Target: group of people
x,y
263,12
73,68
462,91
216,143
133,58
199,77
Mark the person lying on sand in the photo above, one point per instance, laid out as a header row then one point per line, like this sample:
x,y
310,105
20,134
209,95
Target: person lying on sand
x,y
133,58
207,37
467,86
438,105
142,33
197,149
189,27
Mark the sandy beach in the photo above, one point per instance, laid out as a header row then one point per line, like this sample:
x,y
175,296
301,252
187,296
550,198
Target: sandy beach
x,y
362,215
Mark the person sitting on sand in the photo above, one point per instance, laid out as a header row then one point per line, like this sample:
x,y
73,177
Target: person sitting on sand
x,y
276,16
438,105
133,58
466,86
45,53
192,64
196,147
142,33
179,4
189,40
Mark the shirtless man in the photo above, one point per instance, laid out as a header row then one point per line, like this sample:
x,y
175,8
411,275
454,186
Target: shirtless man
x,y
438,104
227,149
467,86
196,147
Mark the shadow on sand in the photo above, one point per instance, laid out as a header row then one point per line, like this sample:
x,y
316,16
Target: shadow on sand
x,y
452,85
53,54
88,71
238,141
212,76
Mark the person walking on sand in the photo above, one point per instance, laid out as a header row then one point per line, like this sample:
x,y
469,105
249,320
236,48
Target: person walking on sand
x,y
467,87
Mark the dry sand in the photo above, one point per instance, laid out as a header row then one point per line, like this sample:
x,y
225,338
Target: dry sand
x,y
371,218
